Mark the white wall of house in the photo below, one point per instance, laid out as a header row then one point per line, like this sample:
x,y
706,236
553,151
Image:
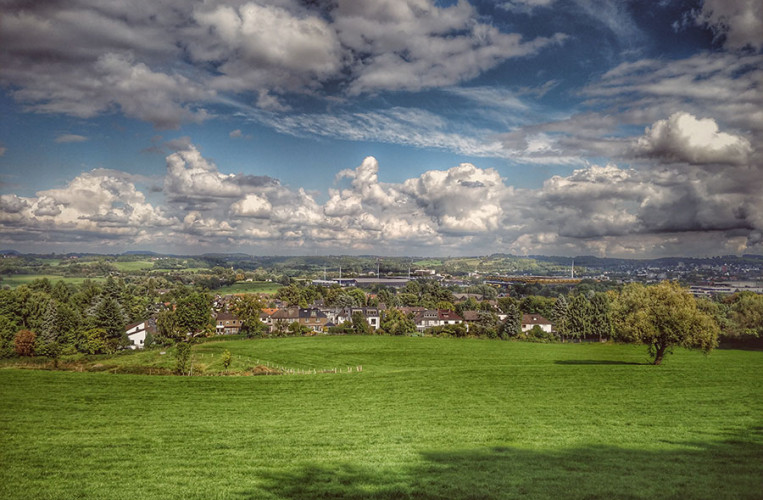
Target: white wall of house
x,y
137,339
546,327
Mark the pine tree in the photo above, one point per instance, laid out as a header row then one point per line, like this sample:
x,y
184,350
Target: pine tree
x,y
601,323
579,317
512,325
560,316
110,317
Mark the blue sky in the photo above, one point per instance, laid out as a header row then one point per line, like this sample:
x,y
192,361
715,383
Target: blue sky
x,y
390,127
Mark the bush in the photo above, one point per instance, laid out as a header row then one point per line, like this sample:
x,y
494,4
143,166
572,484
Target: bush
x,y
24,342
537,334
183,356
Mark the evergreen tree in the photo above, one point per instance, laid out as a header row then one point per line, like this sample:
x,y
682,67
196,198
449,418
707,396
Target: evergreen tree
x,y
601,322
512,325
108,315
579,317
47,340
559,316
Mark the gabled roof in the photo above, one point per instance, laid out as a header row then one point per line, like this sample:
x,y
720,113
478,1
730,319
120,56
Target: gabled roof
x,y
471,315
226,316
311,313
534,319
448,315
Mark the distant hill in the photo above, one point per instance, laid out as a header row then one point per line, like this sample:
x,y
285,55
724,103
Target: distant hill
x,y
141,252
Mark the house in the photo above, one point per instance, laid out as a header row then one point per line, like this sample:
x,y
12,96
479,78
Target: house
x,y
136,333
531,320
311,318
227,324
436,317
266,316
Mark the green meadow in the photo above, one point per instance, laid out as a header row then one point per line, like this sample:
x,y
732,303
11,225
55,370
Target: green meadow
x,y
15,280
426,418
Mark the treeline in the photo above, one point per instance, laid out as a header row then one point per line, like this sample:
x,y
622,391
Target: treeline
x,y
58,319
61,318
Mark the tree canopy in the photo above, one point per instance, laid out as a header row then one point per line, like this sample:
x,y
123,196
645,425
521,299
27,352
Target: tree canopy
x,y
662,316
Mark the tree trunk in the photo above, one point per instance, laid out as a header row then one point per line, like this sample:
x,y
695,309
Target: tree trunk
x,y
659,353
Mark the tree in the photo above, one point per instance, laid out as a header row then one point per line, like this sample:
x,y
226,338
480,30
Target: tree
x,y
194,313
601,322
745,317
24,342
109,316
227,358
662,316
94,341
394,322
559,316
360,325
512,325
8,329
579,317
297,329
248,309
183,357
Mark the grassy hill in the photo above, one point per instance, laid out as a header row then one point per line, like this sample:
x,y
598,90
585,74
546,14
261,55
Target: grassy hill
x,y
426,418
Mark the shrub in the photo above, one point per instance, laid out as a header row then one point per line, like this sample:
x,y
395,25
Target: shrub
x,y
24,342
183,356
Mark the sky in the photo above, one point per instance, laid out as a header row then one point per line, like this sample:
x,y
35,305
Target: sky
x,y
386,127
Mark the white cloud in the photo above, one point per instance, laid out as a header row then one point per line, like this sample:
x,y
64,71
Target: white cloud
x,y
64,138
254,46
685,138
738,22
234,134
414,45
252,205
192,177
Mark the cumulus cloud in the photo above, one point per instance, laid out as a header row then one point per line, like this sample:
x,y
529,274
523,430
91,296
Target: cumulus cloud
x,y
252,205
12,204
685,138
192,177
606,210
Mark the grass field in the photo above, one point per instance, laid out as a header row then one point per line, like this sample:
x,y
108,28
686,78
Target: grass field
x,y
24,279
250,287
135,265
426,418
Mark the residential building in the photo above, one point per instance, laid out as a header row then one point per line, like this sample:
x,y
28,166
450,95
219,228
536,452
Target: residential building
x,y
531,320
227,324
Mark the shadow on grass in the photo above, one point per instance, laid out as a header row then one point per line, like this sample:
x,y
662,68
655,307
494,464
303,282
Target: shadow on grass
x,y
732,468
595,362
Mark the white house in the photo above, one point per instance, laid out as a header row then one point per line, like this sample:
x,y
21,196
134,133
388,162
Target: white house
x,y
531,320
136,333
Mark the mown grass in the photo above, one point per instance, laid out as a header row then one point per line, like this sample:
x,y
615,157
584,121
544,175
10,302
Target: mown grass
x,y
426,418
133,265
250,287
24,279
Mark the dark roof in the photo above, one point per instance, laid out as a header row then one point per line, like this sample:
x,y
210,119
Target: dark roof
x,y
534,319
226,316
